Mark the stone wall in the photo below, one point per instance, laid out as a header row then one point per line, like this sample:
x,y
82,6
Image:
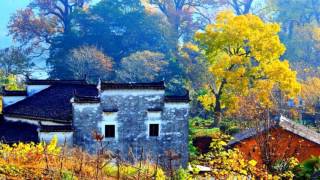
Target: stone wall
x,y
85,121
128,110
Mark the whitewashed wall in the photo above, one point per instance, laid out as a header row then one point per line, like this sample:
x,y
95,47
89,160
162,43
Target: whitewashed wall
x,y
176,105
32,89
9,100
131,92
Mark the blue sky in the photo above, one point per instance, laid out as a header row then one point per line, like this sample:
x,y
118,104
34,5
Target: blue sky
x,y
7,8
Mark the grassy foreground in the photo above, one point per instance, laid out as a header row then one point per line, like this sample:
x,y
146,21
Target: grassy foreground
x,y
49,161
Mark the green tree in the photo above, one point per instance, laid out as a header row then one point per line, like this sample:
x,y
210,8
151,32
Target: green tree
x,y
122,27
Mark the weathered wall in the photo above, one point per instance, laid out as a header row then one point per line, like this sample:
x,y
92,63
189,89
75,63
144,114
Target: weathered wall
x,y
85,121
283,143
176,129
132,106
132,122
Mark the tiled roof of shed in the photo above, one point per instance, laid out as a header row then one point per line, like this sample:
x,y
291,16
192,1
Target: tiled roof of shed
x,y
51,104
283,123
153,85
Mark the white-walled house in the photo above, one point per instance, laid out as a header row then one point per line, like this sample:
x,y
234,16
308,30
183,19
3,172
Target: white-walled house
x,y
132,117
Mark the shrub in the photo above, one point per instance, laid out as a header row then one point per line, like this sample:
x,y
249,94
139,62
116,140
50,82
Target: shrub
x,y
283,169
201,127
226,163
308,169
182,174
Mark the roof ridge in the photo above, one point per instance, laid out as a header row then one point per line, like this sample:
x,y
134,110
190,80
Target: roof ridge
x,y
133,85
55,81
299,129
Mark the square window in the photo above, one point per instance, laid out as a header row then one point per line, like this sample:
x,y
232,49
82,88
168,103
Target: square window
x,y
110,131
153,129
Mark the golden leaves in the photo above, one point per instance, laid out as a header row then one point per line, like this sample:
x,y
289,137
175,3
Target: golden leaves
x,y
244,52
227,163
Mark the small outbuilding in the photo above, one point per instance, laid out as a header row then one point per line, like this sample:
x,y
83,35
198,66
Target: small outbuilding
x,y
281,139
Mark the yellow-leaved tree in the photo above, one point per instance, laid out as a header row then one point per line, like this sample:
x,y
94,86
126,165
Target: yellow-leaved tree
x,y
244,56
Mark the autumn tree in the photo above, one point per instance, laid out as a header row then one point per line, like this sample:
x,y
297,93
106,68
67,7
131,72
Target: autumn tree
x,y
88,62
243,53
42,21
14,61
144,66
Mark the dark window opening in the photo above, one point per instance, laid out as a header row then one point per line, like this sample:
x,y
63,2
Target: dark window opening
x,y
110,131
154,130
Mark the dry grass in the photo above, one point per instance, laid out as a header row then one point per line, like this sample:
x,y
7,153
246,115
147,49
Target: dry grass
x,y
49,161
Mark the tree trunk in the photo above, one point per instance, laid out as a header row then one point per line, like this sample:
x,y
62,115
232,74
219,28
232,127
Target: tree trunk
x,y
217,113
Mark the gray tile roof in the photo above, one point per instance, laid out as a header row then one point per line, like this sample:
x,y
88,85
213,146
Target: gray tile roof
x,y
51,104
